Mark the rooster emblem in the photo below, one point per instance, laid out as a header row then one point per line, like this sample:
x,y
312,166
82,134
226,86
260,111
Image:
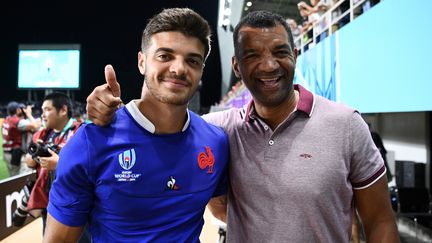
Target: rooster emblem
x,y
206,160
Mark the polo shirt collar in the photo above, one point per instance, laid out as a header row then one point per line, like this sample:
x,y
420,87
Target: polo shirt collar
x,y
146,123
305,104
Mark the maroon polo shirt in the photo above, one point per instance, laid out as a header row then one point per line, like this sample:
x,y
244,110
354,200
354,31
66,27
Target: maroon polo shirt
x,y
295,183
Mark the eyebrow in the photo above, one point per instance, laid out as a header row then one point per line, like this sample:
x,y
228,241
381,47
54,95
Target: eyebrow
x,y
279,47
190,54
284,46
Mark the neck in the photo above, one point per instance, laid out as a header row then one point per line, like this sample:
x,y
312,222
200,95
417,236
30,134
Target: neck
x,y
275,115
166,118
61,126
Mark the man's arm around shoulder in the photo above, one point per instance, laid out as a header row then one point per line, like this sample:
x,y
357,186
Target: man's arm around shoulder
x,y
56,232
218,207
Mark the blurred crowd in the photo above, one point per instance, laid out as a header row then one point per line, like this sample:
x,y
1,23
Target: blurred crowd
x,y
316,14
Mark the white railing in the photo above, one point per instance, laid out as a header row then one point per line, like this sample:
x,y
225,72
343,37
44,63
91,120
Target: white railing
x,y
329,23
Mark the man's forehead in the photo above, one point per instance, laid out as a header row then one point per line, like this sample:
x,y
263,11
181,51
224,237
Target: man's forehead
x,y
175,40
248,31
263,36
47,103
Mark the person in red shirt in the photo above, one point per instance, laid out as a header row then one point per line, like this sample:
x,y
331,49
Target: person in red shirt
x,y
19,121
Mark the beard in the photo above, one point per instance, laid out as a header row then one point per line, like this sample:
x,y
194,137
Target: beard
x,y
166,96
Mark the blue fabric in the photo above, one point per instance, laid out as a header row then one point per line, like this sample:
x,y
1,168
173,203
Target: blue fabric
x,y
139,201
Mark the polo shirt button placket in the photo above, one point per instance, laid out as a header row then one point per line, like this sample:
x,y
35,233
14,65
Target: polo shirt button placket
x,y
271,142
266,127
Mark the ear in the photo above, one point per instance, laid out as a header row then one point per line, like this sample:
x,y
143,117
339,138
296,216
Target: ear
x,y
235,67
141,62
63,110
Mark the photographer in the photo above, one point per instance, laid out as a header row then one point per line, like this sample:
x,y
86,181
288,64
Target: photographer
x,y
19,122
45,146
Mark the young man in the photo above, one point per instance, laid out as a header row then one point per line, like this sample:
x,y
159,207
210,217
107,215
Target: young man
x,y
58,129
298,160
148,176
19,122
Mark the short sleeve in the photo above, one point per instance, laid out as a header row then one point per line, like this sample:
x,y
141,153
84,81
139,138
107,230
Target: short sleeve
x,y
367,165
71,195
222,185
22,124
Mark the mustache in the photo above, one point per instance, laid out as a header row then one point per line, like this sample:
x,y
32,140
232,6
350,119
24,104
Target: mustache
x,y
269,74
174,76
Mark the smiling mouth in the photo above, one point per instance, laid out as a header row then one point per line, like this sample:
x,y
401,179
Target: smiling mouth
x,y
269,82
176,83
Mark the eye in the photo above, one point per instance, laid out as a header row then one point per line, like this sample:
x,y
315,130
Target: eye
x,y
282,53
163,57
195,62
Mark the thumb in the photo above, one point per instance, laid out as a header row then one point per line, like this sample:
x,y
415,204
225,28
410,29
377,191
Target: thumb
x,y
111,80
51,151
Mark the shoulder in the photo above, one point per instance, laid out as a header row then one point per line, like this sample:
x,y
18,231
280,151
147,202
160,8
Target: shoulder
x,y
334,111
227,119
336,117
12,119
40,134
204,127
121,119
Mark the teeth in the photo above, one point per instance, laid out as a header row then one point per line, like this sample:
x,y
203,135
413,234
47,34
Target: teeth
x,y
269,79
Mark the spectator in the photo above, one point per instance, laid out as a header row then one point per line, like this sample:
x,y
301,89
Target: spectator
x,y
315,14
58,129
17,124
295,29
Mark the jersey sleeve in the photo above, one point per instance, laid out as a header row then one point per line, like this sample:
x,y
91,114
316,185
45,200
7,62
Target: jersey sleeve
x,y
71,195
367,165
222,186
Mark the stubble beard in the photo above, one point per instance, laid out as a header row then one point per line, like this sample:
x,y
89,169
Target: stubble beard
x,y
170,98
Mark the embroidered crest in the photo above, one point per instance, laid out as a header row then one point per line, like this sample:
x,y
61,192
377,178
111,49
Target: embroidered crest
x,y
127,159
306,156
206,160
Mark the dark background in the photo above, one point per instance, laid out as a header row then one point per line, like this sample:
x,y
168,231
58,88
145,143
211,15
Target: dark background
x,y
108,32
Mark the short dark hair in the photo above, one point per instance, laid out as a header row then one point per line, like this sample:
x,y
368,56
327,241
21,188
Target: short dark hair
x,y
183,20
261,19
59,100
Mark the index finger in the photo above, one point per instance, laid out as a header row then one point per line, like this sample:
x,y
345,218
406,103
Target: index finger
x,y
111,80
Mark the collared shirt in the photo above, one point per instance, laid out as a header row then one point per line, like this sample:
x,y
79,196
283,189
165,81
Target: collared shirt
x,y
295,183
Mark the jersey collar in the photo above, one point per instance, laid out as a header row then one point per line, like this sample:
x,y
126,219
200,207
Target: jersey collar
x,y
146,123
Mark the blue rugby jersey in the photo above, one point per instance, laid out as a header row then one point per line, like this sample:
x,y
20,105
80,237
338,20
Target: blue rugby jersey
x,y
131,185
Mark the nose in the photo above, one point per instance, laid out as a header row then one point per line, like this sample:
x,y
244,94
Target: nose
x,y
269,64
178,67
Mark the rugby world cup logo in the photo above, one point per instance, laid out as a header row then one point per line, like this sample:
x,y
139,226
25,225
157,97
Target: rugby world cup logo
x,y
127,159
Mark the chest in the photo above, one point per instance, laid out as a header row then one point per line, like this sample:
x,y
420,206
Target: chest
x,y
155,175
289,161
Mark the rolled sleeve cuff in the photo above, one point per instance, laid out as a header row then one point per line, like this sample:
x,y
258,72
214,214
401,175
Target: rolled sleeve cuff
x,y
371,180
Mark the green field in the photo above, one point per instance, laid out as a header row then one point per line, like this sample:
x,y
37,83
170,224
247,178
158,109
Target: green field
x,y
3,170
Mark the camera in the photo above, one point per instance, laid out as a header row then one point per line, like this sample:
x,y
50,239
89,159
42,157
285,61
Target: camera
x,y
41,149
20,214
